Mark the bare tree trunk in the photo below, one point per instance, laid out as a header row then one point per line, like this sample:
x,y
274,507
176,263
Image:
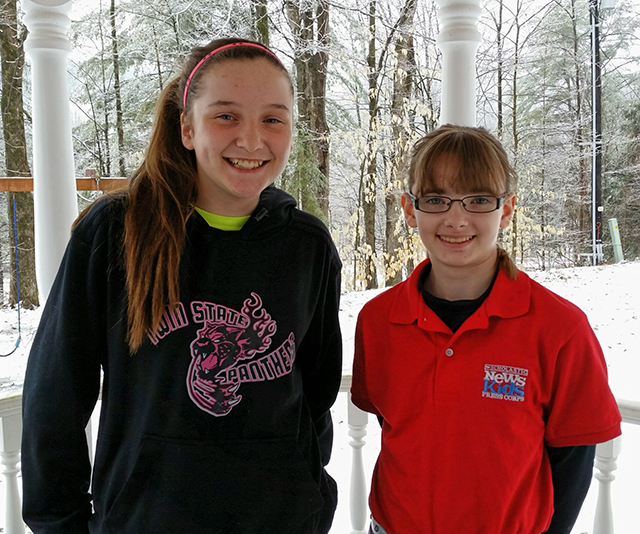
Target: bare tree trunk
x,y
157,53
580,143
12,59
369,190
97,133
369,169
516,138
320,127
311,31
116,78
105,165
261,21
427,79
543,193
403,77
500,63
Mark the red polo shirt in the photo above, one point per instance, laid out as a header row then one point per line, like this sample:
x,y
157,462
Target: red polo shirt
x,y
467,414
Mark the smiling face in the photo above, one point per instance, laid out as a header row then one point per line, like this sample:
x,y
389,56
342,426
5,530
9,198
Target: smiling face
x,y
240,128
461,245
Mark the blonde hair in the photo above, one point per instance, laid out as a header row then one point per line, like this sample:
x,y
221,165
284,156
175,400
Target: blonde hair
x,y
474,161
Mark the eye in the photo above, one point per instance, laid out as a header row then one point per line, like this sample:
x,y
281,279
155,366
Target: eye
x,y
225,117
480,200
273,120
434,201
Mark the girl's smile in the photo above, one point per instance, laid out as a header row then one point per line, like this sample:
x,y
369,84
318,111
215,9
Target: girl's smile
x,y
246,163
455,240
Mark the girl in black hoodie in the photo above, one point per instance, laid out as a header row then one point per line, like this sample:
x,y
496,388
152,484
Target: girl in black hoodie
x,y
207,305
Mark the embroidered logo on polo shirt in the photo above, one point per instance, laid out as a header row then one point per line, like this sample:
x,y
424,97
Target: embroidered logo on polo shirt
x,y
504,382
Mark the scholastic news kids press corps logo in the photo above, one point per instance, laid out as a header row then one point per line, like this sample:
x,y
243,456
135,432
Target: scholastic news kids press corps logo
x,y
504,382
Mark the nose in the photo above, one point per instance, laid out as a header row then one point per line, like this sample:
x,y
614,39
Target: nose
x,y
456,216
249,137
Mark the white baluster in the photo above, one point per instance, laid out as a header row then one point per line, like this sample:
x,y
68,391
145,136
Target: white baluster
x,y
606,456
357,422
89,435
54,188
458,40
10,439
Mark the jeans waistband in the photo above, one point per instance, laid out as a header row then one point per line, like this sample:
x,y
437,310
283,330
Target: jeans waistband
x,y
376,528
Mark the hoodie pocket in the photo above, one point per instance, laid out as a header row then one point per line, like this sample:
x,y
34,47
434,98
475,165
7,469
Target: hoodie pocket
x,y
231,487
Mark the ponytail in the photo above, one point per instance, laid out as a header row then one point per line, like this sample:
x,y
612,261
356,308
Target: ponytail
x,y
161,197
507,264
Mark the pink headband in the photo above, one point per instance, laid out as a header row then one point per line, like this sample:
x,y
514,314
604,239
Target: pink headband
x,y
215,51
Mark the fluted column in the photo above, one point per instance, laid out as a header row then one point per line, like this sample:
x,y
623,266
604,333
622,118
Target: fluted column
x,y
458,40
357,422
54,193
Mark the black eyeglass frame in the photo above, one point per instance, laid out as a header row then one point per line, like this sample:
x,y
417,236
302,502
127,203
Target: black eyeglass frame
x,y
415,201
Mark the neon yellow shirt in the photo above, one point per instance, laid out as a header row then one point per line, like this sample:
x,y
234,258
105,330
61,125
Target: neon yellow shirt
x,y
222,222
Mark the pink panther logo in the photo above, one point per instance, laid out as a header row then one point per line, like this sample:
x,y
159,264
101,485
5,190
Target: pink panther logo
x,y
220,346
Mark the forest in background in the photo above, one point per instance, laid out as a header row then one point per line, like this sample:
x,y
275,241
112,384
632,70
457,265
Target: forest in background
x,y
367,77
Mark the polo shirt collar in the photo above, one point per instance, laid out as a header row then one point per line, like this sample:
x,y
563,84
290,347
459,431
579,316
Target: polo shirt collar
x,y
508,298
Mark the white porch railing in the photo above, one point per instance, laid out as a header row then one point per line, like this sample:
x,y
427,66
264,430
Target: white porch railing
x,y
11,429
10,436
606,456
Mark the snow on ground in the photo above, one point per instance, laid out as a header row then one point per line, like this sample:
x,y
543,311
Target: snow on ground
x,y
610,296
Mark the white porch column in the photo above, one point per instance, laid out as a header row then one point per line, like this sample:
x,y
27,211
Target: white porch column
x,y
458,40
54,191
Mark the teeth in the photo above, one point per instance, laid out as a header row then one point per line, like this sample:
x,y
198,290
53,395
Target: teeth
x,y
245,163
456,239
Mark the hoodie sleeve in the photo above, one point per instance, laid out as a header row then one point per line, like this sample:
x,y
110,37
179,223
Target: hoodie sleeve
x,y
322,356
61,387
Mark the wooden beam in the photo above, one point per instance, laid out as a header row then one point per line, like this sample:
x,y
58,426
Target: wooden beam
x,y
82,184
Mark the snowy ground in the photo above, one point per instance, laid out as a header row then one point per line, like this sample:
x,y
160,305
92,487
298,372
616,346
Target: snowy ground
x,y
610,295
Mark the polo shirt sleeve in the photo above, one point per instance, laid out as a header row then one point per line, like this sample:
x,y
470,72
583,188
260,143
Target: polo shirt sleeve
x,y
582,409
359,392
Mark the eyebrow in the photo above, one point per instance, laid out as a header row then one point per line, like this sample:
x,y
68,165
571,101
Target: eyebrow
x,y
433,191
232,103
441,192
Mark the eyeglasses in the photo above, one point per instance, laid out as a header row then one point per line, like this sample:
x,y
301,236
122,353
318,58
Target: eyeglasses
x,y
472,204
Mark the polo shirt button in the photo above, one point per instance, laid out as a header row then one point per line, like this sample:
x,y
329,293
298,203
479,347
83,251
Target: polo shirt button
x,y
449,352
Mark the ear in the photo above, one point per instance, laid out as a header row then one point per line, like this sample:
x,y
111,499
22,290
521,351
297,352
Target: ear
x,y
186,131
293,132
409,210
508,208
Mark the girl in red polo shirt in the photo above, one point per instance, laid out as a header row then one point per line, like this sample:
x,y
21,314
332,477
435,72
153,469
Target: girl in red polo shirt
x,y
492,390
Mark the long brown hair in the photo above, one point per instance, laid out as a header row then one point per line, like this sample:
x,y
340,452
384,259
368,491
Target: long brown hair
x,y
162,194
479,164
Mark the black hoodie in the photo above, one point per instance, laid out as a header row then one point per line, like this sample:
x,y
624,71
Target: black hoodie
x,y
220,423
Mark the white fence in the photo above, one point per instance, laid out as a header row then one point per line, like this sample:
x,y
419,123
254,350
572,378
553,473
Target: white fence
x,y
606,456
